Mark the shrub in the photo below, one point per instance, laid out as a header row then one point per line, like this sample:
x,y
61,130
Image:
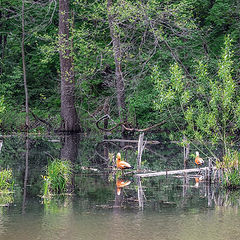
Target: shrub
x,y
209,106
6,181
58,177
230,166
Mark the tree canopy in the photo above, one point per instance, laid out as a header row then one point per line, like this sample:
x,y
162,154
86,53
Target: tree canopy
x,y
178,42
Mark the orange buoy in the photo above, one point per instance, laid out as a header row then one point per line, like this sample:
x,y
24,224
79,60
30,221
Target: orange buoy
x,y
199,161
122,164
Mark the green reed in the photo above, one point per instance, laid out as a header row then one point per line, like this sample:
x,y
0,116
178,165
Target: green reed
x,y
58,177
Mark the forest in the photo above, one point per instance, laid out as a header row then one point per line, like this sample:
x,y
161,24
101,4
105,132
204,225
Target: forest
x,y
119,119
69,64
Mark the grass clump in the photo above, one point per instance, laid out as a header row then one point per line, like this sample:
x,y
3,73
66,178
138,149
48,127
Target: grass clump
x,y
230,166
58,177
6,181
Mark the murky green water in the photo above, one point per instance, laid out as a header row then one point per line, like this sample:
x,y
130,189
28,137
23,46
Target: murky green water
x,y
71,220
150,208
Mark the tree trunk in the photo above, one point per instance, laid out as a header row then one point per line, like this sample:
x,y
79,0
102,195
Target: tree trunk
x,y
1,43
26,173
69,151
24,69
70,122
3,38
118,71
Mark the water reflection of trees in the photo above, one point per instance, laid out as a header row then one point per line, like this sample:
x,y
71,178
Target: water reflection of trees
x,y
174,193
155,157
98,188
58,212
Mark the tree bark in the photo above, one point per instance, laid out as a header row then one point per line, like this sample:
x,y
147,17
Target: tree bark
x,y
70,122
69,151
26,173
118,59
1,43
24,68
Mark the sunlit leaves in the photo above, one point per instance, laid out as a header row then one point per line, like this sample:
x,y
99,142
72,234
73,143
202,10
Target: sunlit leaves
x,y
177,78
224,73
202,78
184,13
165,94
6,181
2,106
210,105
189,117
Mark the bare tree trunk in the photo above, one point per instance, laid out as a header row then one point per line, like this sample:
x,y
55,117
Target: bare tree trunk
x,y
118,58
26,174
1,43
70,122
69,151
140,194
3,39
141,146
24,69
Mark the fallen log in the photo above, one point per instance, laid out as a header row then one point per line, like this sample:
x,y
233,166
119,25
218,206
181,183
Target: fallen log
x,y
173,172
129,141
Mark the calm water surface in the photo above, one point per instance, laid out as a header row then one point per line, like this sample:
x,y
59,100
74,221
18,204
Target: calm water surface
x,y
69,222
156,208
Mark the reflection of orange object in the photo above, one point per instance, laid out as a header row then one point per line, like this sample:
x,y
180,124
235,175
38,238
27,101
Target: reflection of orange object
x,y
120,184
122,164
198,160
196,180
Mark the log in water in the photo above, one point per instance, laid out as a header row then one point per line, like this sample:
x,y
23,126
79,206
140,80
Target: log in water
x,y
173,172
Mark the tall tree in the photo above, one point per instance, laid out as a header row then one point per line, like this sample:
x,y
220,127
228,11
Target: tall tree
x,y
118,61
70,122
24,68
3,39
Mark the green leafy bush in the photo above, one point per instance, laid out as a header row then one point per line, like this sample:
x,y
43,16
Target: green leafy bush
x,y
208,104
58,177
2,106
6,181
12,120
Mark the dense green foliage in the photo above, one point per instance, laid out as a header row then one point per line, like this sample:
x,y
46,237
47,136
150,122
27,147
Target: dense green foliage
x,y
184,35
209,106
2,107
6,181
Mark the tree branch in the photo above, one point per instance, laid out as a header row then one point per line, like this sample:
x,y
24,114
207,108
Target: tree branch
x,y
123,124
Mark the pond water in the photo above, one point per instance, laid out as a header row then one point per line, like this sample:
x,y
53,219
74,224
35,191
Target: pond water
x,y
147,208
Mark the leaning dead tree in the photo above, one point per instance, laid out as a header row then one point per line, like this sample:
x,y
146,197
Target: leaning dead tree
x,y
124,125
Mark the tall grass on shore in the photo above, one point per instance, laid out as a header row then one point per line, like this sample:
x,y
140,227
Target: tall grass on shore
x,y
58,177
